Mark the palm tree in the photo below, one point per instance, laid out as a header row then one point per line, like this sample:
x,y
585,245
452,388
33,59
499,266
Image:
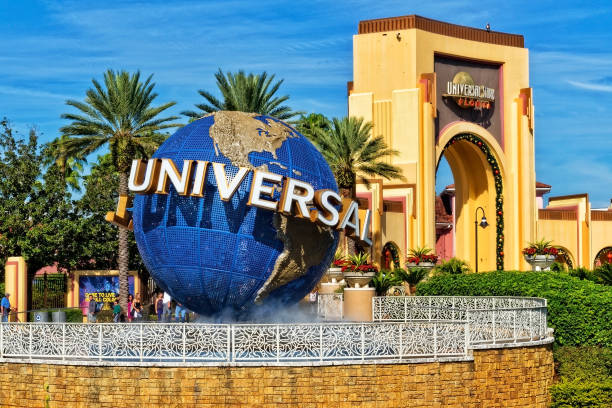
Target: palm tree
x,y
307,125
354,155
247,93
117,114
70,167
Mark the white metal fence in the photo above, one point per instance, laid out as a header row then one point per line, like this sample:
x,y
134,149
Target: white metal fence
x,y
280,343
491,319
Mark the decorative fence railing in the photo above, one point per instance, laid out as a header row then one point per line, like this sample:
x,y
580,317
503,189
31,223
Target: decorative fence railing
x,y
330,306
490,319
224,343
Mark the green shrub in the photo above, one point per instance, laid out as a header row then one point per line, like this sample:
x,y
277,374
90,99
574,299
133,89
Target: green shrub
x,y
74,315
583,274
587,363
604,274
383,280
580,311
577,394
584,374
452,266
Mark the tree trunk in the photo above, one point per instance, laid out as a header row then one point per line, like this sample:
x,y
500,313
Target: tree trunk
x,y
348,245
123,259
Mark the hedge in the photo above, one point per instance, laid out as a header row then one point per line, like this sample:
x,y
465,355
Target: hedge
x,y
578,394
580,311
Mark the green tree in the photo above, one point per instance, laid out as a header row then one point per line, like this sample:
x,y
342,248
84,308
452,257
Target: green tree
x,y
309,124
247,93
354,155
70,168
118,114
37,220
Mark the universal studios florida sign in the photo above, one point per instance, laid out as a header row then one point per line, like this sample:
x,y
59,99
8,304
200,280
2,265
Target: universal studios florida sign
x,y
297,198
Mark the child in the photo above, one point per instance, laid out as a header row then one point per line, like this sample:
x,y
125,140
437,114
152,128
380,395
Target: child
x,y
116,311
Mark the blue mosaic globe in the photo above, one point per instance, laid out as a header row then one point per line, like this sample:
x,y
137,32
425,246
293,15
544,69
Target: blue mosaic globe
x,y
212,255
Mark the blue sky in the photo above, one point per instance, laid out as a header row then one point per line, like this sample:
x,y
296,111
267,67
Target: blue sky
x,y
50,51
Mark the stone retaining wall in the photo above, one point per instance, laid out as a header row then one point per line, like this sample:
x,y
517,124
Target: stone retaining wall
x,y
508,377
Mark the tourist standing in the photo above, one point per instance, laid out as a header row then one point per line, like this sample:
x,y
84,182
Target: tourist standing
x,y
137,308
5,307
130,306
116,311
91,310
159,306
167,307
179,312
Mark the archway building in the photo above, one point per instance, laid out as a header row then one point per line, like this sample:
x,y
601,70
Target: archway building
x,y
434,89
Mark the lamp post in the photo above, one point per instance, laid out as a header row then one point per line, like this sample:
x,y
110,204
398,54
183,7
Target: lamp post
x,y
483,224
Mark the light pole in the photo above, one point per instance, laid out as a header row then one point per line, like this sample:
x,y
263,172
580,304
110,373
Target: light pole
x,y
483,224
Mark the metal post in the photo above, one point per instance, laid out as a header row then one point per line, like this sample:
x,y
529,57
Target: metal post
x,y
362,342
476,243
140,349
514,326
435,339
467,338
63,341
277,343
184,342
530,325
2,340
228,356
30,325
400,326
100,342
233,344
320,342
405,308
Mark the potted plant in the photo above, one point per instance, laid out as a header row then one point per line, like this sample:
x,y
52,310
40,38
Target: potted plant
x,y
540,254
357,271
421,258
411,277
384,280
334,273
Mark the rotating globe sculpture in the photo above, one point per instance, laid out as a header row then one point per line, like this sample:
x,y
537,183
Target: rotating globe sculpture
x,y
216,256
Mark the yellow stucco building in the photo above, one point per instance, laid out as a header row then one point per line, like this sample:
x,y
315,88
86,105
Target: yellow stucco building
x,y
434,89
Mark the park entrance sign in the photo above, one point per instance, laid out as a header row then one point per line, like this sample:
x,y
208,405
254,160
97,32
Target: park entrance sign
x,y
297,198
237,209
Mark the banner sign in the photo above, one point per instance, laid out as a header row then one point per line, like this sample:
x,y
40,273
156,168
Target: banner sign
x,y
105,289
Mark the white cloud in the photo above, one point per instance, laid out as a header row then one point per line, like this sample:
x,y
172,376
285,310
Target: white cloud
x,y
591,86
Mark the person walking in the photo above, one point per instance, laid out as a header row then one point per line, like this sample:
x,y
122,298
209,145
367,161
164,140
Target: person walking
x,y
130,306
167,307
159,306
116,311
91,310
5,306
137,308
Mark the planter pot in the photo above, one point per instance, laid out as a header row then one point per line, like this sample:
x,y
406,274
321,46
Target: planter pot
x,y
422,265
334,275
396,291
356,279
540,262
59,316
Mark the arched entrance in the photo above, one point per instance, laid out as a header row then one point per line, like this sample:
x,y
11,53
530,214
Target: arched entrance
x,y
565,257
603,256
478,183
391,256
